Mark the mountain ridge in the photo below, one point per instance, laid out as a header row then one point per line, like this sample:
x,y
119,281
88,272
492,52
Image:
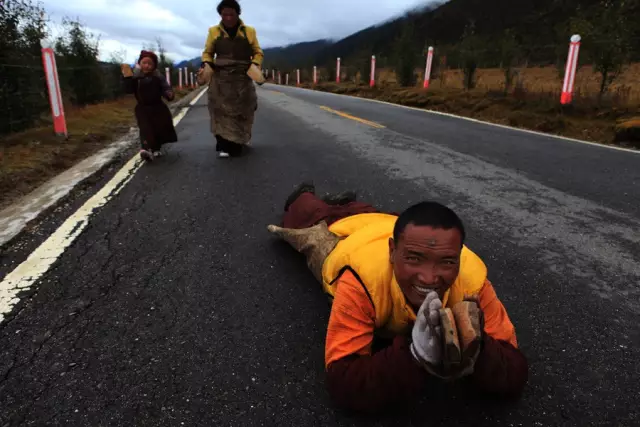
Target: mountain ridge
x,y
540,28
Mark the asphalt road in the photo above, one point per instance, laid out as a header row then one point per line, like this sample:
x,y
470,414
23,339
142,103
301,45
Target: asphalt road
x,y
176,307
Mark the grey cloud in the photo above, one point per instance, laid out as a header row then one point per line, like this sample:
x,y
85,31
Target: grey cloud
x,y
278,22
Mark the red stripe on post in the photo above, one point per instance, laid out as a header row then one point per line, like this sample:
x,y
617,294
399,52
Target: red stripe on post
x,y
55,95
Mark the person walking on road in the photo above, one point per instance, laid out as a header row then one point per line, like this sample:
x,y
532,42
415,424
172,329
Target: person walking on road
x,y
153,116
411,304
232,95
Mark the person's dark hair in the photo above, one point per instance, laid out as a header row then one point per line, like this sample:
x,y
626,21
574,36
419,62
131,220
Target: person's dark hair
x,y
231,4
428,214
148,54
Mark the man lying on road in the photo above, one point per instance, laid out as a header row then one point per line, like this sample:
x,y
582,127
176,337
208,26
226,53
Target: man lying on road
x,y
380,270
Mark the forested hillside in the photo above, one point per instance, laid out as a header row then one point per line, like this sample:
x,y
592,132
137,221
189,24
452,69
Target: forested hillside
x,y
539,29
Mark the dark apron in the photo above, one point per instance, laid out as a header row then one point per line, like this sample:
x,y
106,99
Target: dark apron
x,y
232,94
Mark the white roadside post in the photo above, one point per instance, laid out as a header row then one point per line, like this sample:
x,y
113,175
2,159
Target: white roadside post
x,y
427,70
55,95
372,78
570,71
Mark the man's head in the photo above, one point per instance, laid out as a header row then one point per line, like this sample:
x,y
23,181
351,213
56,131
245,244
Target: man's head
x,y
425,250
229,11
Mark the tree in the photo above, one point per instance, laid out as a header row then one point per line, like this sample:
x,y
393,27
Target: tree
x,y
363,64
509,52
562,32
158,48
118,57
163,60
332,71
22,88
406,57
79,68
607,36
469,50
346,72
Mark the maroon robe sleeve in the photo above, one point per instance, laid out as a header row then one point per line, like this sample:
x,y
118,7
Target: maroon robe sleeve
x,y
357,379
501,368
373,383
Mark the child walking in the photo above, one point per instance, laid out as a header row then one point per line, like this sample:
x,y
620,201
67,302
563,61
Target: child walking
x,y
153,116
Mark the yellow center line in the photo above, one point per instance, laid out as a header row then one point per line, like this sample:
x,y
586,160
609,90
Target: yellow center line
x,y
357,119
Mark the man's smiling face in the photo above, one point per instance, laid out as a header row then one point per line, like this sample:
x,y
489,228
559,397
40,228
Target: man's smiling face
x,y
425,259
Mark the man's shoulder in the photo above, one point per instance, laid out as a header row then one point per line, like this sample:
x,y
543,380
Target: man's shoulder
x,y
364,223
350,284
348,275
473,271
214,29
249,28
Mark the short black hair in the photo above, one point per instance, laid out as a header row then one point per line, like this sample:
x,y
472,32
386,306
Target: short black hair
x,y
231,4
428,214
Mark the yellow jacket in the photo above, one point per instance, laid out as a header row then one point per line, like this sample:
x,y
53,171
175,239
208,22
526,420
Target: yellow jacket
x,y
365,250
243,31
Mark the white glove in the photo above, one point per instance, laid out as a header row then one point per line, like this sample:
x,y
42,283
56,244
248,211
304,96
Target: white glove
x,y
426,335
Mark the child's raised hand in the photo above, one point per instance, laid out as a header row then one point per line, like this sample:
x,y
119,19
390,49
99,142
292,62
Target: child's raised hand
x,y
126,70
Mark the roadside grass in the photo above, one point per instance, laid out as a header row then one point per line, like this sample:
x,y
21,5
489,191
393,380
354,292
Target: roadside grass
x,y
31,157
588,118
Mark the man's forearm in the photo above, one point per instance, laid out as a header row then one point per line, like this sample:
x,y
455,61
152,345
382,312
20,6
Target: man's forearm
x,y
501,368
374,383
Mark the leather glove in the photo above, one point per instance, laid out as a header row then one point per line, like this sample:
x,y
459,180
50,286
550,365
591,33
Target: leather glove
x,y
447,342
255,73
426,346
204,74
469,320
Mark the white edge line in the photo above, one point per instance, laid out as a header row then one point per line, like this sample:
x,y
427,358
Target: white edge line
x,y
529,131
45,255
15,217
195,100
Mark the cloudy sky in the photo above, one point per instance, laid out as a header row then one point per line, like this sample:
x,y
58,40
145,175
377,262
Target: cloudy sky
x,y
126,25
